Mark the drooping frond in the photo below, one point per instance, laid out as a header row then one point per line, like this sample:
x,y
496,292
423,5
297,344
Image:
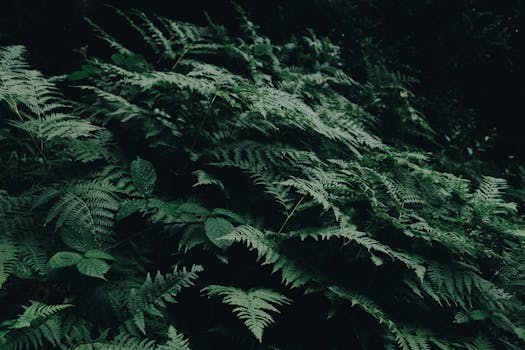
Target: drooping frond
x,y
350,235
267,247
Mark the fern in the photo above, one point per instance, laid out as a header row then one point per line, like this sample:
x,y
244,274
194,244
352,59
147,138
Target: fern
x,y
88,206
102,34
480,343
57,125
8,258
37,323
267,248
351,235
176,341
36,311
269,164
251,306
487,200
155,292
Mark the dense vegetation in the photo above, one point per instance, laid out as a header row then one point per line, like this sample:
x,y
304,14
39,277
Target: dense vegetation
x,y
209,190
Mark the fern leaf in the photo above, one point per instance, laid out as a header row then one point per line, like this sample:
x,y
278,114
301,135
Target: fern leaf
x,y
176,341
155,292
88,206
251,306
36,311
9,254
268,253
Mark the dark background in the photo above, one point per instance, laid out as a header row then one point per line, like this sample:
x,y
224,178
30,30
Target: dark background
x,y
467,54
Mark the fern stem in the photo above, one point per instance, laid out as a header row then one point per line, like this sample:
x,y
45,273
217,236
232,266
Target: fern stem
x,y
186,49
289,216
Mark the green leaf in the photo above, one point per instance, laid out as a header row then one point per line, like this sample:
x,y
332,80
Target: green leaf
x,y
133,62
143,175
93,267
478,315
215,229
229,214
99,254
130,207
63,259
85,71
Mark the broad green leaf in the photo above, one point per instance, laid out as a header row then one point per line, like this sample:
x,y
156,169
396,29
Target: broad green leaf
x,y
63,259
93,267
193,209
143,175
99,254
216,228
229,214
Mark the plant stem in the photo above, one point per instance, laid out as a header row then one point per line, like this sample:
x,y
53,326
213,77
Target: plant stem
x,y
289,216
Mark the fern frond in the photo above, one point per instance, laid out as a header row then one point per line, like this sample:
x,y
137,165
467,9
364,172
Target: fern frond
x,y
458,286
91,149
12,67
57,126
102,34
121,342
9,255
21,86
47,333
322,187
176,341
33,254
251,306
155,292
480,343
36,311
267,247
263,163
367,305
88,206
350,234
488,198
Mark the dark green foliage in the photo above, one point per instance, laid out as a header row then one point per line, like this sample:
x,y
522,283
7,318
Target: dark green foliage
x,y
263,169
